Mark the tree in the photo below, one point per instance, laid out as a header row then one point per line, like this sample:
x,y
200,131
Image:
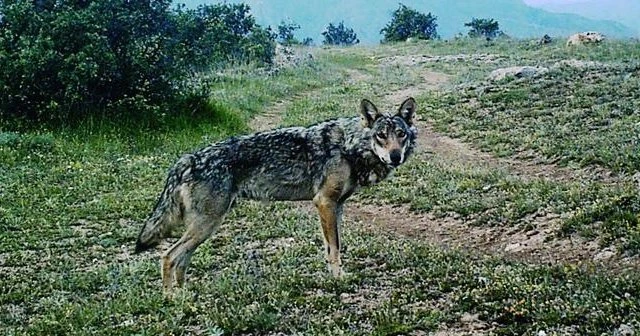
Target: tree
x,y
407,22
339,35
307,41
285,33
486,28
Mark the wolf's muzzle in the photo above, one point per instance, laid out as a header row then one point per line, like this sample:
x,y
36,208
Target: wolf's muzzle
x,y
396,157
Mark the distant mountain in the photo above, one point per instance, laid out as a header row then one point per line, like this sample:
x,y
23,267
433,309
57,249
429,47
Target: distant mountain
x,y
367,17
623,11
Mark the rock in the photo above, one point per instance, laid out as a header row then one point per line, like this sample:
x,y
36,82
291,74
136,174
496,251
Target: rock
x,y
589,37
624,330
546,39
517,72
473,321
532,233
604,255
552,215
513,247
468,318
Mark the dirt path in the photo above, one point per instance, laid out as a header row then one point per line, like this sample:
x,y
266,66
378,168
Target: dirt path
x,y
537,245
273,116
270,119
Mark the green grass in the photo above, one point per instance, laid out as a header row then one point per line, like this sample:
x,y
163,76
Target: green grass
x,y
575,117
585,116
73,199
256,278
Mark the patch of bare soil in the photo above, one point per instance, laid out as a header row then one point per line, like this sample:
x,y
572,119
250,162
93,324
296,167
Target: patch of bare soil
x,y
412,60
431,80
538,245
272,117
356,76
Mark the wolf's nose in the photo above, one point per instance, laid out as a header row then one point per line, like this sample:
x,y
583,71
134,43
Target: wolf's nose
x,y
395,157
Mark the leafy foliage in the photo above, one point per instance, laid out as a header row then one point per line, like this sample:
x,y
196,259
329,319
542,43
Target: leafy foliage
x,y
286,33
307,41
486,28
64,60
339,35
407,22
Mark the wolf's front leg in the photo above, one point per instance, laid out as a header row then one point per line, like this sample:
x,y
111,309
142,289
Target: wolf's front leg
x,y
330,216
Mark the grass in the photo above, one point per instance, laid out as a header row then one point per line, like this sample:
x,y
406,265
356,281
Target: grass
x,y
591,122
575,117
255,279
72,202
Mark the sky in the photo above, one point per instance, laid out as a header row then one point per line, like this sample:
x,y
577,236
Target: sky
x,y
538,2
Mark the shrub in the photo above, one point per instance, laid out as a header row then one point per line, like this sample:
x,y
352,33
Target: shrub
x,y
339,35
286,33
66,60
486,28
407,22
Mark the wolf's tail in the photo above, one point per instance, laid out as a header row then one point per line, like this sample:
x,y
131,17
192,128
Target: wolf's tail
x,y
168,209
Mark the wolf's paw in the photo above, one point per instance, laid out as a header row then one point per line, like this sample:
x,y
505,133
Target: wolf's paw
x,y
336,270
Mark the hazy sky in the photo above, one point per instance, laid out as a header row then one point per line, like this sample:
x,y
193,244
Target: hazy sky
x,y
537,2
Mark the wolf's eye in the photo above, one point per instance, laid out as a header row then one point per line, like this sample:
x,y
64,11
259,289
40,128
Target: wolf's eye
x,y
400,134
381,135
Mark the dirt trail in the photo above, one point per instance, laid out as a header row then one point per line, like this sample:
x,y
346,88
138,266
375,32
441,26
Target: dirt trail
x,y
272,117
538,245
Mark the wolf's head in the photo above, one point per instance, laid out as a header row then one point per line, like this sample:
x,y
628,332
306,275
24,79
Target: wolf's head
x,y
392,135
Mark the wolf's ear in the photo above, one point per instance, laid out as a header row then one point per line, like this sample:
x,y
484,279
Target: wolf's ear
x,y
407,110
369,113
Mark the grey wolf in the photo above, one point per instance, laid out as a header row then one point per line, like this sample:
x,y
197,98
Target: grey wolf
x,y
325,163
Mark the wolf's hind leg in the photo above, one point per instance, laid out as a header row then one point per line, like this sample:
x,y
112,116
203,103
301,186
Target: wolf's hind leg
x,y
204,211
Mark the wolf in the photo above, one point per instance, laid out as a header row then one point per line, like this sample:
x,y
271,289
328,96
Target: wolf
x,y
325,163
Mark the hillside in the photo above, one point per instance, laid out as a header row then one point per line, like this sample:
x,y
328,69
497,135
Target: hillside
x,y
623,11
368,17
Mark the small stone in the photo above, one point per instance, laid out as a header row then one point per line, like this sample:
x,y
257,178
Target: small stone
x,y
604,255
469,318
624,330
513,247
532,233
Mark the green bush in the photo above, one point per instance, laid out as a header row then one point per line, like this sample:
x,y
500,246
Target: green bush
x,y
486,28
286,33
339,35
407,22
66,60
